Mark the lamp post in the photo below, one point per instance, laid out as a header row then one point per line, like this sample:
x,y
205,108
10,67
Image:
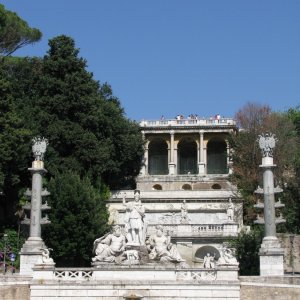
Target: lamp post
x,y
5,237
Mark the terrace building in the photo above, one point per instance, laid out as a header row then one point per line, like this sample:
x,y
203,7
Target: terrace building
x,y
184,185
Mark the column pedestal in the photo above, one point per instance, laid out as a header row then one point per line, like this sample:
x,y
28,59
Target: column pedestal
x,y
172,169
30,255
271,257
201,168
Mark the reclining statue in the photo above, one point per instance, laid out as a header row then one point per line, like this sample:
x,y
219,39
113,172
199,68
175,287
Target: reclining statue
x,y
109,246
161,248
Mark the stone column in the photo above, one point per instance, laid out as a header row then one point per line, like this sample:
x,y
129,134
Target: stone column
x,y
271,253
37,171
34,249
172,164
201,163
205,159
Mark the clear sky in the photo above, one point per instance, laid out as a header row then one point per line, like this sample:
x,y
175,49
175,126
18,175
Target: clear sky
x,y
169,57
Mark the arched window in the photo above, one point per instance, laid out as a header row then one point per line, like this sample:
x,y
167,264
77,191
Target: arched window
x,y
157,187
186,186
201,252
217,157
158,158
187,157
216,186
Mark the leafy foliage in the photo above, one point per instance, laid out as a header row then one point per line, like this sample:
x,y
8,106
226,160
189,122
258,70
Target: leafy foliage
x,y
88,133
14,143
13,245
78,215
15,32
247,246
85,124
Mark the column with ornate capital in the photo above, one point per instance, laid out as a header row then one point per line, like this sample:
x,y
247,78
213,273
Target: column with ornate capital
x,y
270,253
34,251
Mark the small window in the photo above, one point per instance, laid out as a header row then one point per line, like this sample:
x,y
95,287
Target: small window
x,y
216,186
157,187
186,187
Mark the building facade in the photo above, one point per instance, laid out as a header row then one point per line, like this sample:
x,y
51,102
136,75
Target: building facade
x,y
184,185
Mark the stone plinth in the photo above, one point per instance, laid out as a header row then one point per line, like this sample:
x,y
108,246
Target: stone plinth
x,y
172,169
144,282
31,254
43,271
201,168
271,257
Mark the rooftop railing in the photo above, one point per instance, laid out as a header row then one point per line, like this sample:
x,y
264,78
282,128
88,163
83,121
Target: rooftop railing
x,y
188,122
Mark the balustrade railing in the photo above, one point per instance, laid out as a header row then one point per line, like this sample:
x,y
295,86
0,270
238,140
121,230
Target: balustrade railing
x,y
189,274
196,229
185,122
73,274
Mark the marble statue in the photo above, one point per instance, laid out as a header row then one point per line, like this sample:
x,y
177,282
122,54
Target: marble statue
x,y
184,213
230,210
227,256
111,245
134,220
209,261
39,147
46,259
161,248
113,216
267,144
131,255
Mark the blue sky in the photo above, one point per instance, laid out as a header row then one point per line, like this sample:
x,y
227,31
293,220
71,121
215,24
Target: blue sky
x,y
169,57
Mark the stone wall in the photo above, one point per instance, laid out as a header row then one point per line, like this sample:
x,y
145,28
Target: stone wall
x,y
291,246
270,288
14,287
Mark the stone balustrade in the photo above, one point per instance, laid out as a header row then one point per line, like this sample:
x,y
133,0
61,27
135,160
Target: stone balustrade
x,y
76,274
150,272
230,229
187,122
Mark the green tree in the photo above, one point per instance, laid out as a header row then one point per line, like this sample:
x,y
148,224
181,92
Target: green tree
x,y
247,246
88,132
85,124
13,245
78,215
15,32
14,154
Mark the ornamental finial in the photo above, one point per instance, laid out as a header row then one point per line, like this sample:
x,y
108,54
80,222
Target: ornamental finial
x,y
267,143
39,147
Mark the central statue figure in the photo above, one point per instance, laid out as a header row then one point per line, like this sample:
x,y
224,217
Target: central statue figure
x,y
161,248
134,220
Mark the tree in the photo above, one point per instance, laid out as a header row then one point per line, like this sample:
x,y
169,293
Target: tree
x,y
78,215
247,246
14,143
255,119
88,135
15,32
84,122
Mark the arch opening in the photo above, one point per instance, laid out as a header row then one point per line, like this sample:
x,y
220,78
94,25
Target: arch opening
x,y
187,157
202,251
157,187
158,158
217,157
186,186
